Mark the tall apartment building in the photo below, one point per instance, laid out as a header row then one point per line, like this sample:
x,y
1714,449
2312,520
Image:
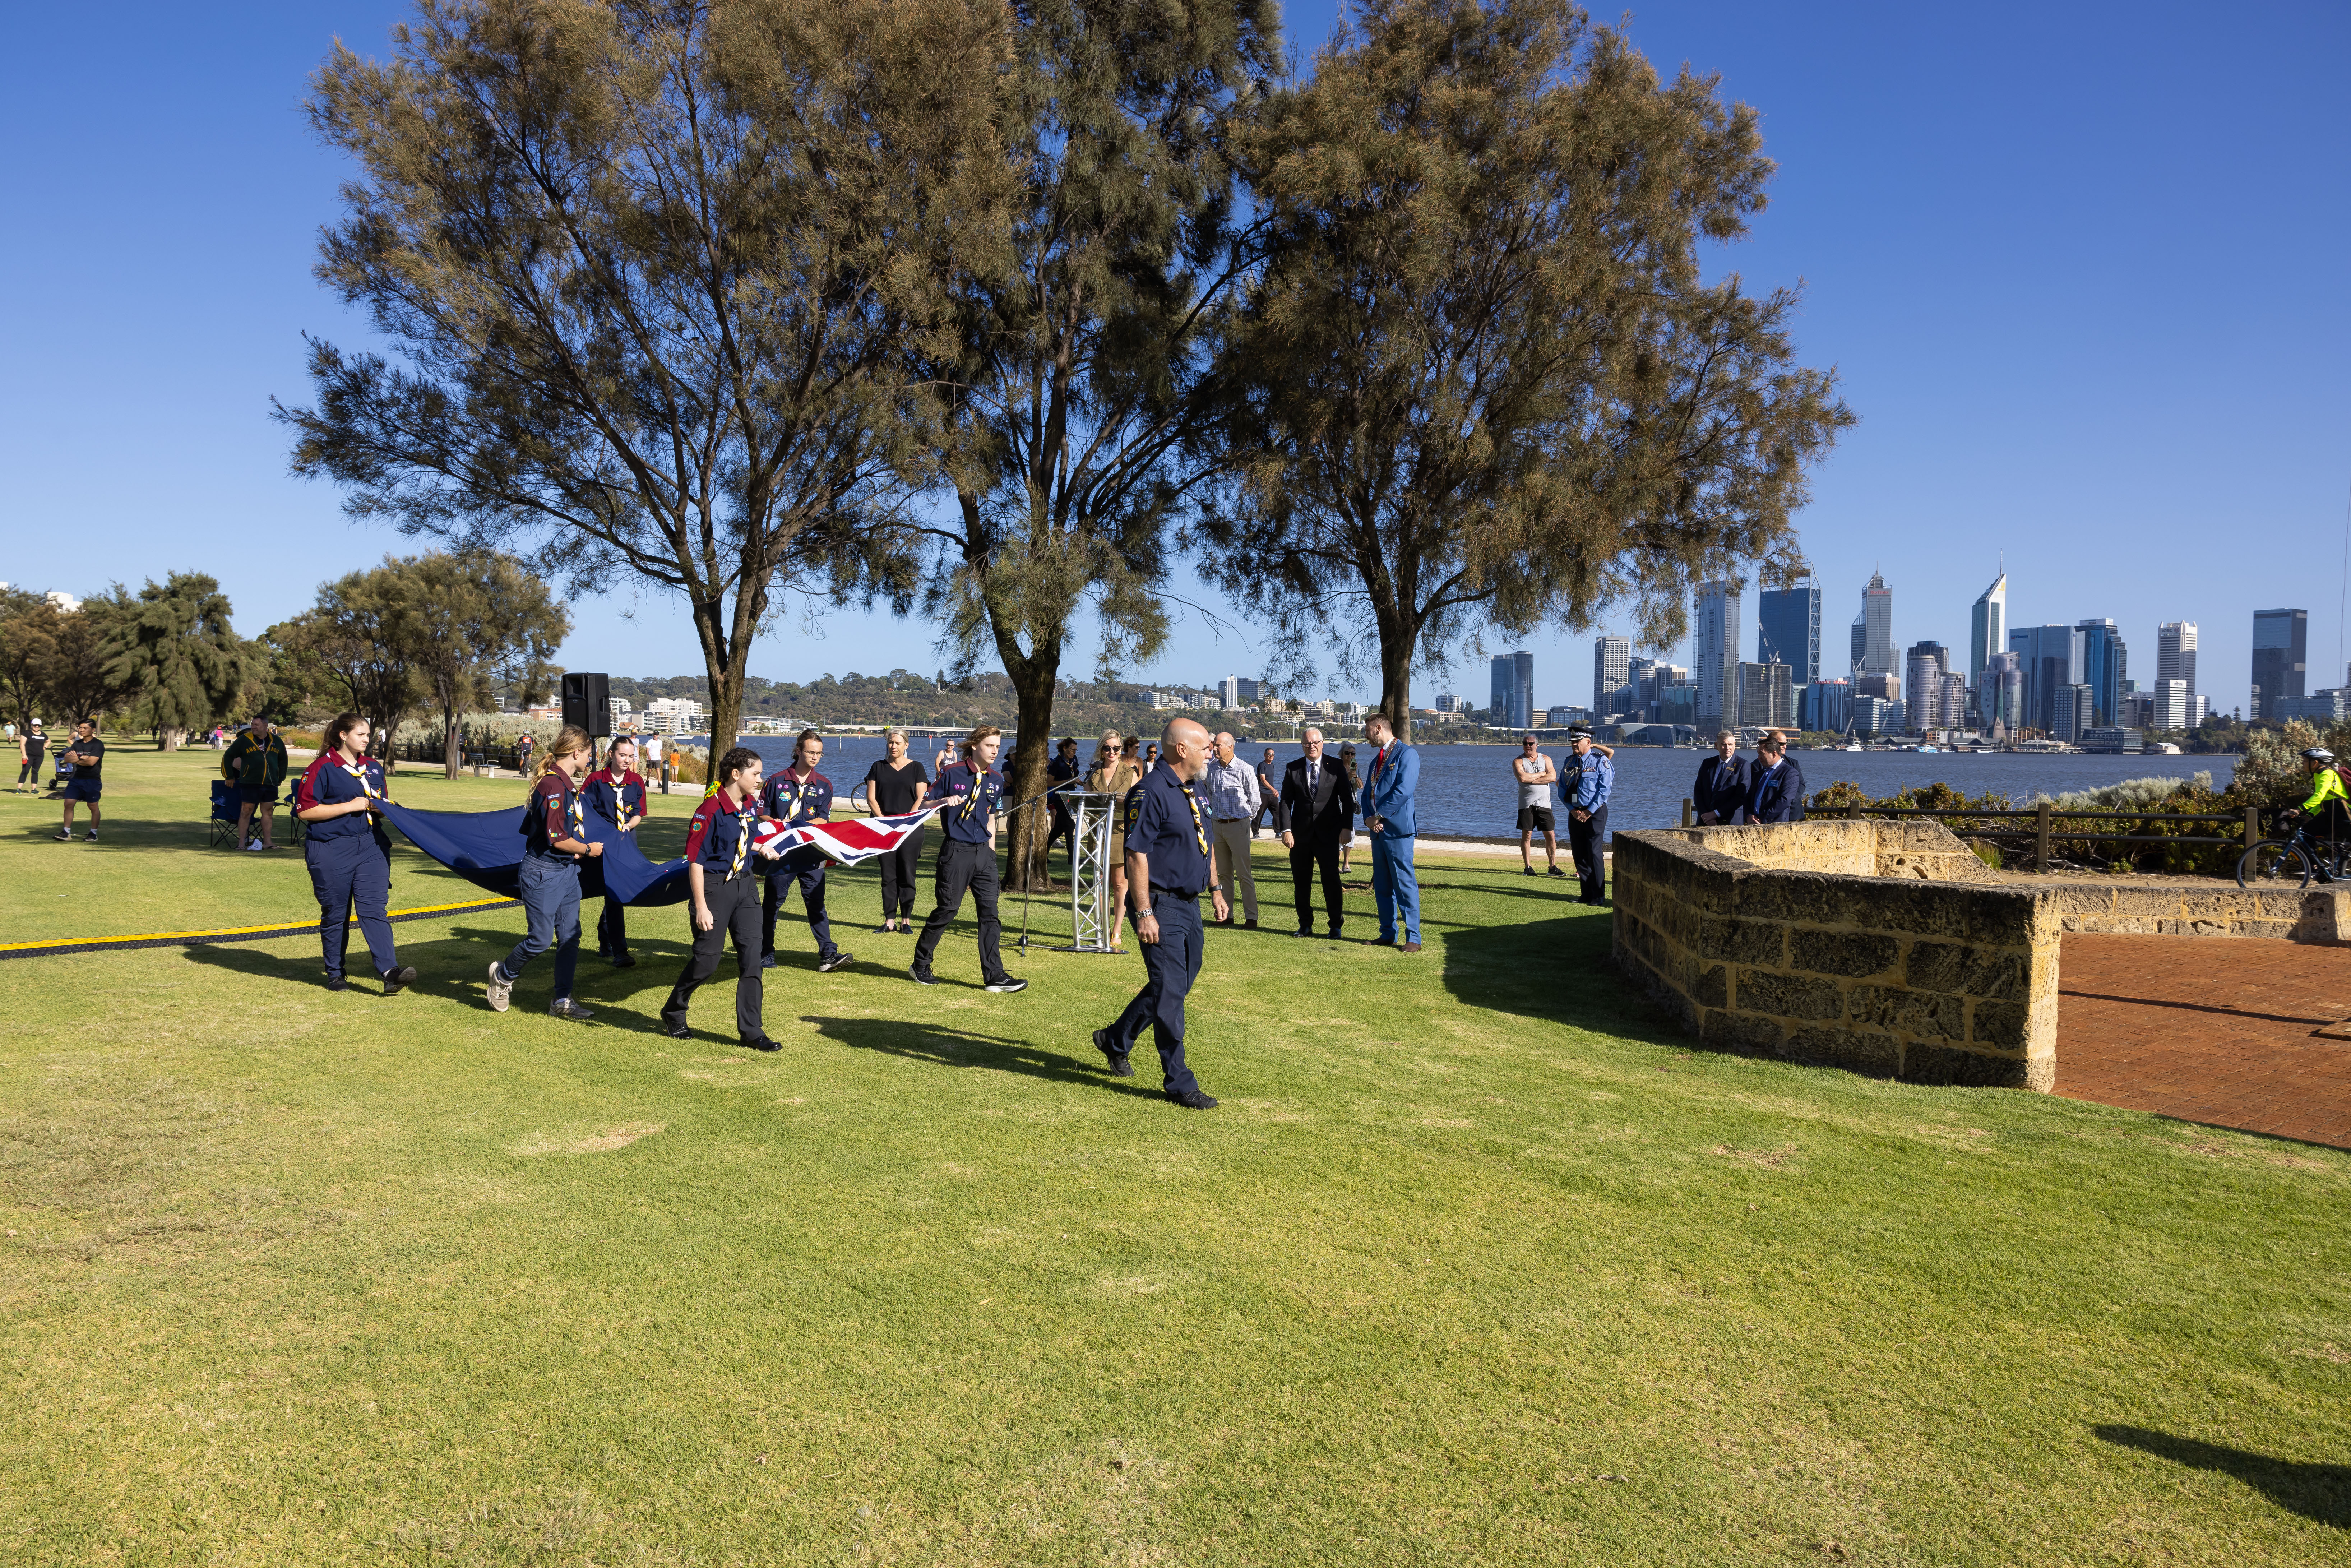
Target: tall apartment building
x,y
1788,627
2280,657
1922,686
2105,664
1987,628
2000,691
1238,691
1611,666
1767,698
1828,704
1873,630
2168,705
1714,653
2052,656
2070,708
2175,654
1514,692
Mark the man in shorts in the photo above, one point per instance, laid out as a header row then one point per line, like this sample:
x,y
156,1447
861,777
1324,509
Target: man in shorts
x,y
1534,775
86,755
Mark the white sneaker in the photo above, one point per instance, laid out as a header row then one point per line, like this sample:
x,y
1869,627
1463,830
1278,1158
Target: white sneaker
x,y
500,987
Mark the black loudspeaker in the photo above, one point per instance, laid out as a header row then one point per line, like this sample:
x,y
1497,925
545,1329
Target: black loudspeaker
x,y
588,702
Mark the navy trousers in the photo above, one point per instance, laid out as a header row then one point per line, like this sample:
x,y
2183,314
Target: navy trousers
x,y
346,872
1171,965
612,928
810,881
551,905
734,910
1584,840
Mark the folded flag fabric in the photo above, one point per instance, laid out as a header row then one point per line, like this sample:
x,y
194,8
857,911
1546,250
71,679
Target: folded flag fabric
x,y
849,841
486,847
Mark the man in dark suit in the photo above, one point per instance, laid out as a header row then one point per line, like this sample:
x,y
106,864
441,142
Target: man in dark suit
x,y
1720,792
1317,805
1777,794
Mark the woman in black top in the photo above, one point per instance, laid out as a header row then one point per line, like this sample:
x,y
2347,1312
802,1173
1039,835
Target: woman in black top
x,y
894,787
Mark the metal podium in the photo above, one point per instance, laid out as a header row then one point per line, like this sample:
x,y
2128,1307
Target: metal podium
x,y
1090,907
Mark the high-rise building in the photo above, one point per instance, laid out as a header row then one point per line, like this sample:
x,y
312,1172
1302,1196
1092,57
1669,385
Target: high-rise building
x,y
1875,716
1987,628
1885,689
2168,705
2105,664
1874,639
1828,705
1922,687
1514,692
2000,692
2175,654
2051,656
2281,655
1611,666
1238,691
1714,653
1448,703
1767,698
1788,627
2070,708
1860,644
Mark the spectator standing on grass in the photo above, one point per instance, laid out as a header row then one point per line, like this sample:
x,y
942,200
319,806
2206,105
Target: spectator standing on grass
x,y
1318,797
256,763
893,787
1061,774
340,797
1118,768
1720,792
1584,785
1777,793
1233,798
1534,775
86,755
1269,789
1390,785
30,748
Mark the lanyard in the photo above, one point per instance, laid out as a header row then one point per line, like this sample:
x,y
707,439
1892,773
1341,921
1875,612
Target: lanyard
x,y
1192,800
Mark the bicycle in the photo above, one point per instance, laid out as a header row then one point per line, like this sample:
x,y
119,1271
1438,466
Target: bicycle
x,y
2294,861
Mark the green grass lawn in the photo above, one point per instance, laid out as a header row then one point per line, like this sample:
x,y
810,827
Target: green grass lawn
x,y
1476,1263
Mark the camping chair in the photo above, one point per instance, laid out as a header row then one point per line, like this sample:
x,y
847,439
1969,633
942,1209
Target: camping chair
x,y
221,825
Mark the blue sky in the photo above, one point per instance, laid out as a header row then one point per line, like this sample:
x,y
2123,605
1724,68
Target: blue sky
x,y
2081,268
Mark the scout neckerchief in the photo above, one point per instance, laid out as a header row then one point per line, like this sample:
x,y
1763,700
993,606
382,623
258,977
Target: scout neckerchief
x,y
358,770
1192,800
742,835
575,807
790,794
972,799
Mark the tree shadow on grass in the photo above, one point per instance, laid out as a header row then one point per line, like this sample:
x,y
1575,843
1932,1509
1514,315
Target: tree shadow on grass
x,y
2322,1492
1556,969
919,1042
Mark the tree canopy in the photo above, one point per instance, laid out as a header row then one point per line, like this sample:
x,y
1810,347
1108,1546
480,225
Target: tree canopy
x,y
473,621
1482,380
177,656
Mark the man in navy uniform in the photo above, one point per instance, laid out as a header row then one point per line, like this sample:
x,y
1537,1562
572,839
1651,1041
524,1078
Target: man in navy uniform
x,y
800,795
1585,781
1167,864
974,792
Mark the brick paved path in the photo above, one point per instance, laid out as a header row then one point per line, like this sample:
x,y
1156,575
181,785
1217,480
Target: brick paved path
x,y
2215,1030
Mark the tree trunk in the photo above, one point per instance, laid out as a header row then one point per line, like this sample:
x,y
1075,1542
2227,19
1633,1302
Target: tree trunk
x,y
1033,690
724,659
1397,645
452,744
171,737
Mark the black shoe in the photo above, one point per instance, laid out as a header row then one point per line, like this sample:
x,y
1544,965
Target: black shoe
x,y
678,1031
338,983
1384,942
65,837
396,978
622,961
767,960
1303,931
1531,872
1248,925
1119,1067
1006,986
1556,872
837,961
1192,1099
758,1042
921,975
1336,934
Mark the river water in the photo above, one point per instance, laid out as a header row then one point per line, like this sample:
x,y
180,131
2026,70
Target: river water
x,y
1466,790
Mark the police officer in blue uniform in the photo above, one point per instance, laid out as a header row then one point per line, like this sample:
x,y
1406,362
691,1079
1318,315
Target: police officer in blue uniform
x,y
722,883
797,795
973,791
348,852
1168,865
1587,777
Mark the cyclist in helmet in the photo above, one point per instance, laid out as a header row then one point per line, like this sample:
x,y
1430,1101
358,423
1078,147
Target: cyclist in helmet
x,y
2328,797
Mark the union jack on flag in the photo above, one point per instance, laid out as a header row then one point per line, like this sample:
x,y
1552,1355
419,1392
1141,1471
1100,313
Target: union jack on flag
x,y
847,842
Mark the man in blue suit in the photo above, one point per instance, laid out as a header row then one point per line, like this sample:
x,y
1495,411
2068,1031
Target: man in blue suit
x,y
1777,794
1389,785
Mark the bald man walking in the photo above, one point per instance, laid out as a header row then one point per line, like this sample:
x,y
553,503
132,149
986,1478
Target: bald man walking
x,y
1167,864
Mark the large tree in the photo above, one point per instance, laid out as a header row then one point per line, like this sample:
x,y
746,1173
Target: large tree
x,y
178,656
83,677
654,272
28,641
1077,397
472,622
357,645
1487,383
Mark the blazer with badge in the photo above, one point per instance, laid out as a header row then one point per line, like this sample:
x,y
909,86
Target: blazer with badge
x,y
1777,795
1389,785
1320,804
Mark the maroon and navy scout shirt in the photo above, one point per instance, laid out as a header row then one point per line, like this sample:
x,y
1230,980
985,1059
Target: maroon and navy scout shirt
x,y
331,782
717,829
553,813
612,796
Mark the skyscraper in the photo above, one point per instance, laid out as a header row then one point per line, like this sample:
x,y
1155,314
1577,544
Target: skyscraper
x,y
1999,697
2281,656
1987,628
2104,664
1766,698
1611,666
2051,657
1714,653
1875,634
2175,654
1788,627
1514,691
1922,689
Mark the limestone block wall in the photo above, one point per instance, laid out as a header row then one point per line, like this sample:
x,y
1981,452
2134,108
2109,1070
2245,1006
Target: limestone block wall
x,y
2211,909
1931,979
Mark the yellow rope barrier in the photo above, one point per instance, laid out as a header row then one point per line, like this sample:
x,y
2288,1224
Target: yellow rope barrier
x,y
227,933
